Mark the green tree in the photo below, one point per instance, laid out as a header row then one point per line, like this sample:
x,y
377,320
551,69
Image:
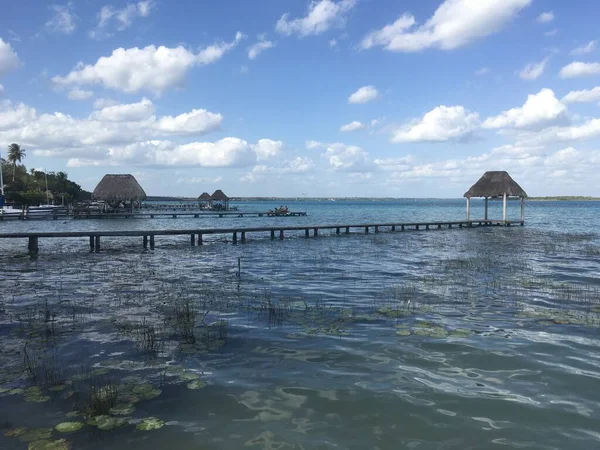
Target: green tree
x,y
15,154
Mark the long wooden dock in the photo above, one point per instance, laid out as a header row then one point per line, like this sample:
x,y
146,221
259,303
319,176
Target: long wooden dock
x,y
64,213
196,235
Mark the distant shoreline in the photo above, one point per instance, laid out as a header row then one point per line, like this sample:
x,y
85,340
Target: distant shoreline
x,y
151,198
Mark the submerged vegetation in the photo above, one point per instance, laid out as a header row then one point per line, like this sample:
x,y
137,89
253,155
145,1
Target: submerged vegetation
x,y
165,331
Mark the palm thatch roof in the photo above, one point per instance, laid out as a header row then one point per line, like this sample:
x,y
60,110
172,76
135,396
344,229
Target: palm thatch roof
x,y
119,187
219,195
205,197
495,184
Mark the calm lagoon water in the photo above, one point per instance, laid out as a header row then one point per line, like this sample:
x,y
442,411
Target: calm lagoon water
x,y
447,339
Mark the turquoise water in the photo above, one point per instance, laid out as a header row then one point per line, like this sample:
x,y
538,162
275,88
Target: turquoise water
x,y
453,339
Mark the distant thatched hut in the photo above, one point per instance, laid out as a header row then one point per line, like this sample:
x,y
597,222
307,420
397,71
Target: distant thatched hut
x,y
204,199
219,200
119,190
496,184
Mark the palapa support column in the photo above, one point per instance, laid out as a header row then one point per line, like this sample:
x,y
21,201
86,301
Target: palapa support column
x,y
504,207
272,235
522,210
281,235
468,208
97,245
145,242
485,216
151,242
243,237
91,244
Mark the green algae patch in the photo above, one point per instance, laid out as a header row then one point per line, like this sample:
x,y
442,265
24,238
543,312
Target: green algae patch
x,y
196,384
149,424
460,333
61,444
15,432
122,410
392,313
69,427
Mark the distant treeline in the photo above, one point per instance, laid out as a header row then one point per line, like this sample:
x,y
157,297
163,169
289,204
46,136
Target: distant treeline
x,y
566,198
23,188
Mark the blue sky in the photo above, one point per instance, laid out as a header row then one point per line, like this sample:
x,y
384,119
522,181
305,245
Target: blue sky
x,y
325,98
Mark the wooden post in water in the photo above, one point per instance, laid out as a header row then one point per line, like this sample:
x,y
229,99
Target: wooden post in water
x,y
393,228
337,230
272,235
151,242
235,237
401,227
199,238
306,232
376,229
522,210
145,242
33,246
243,237
316,232
347,230
366,230
193,239
504,207
91,244
97,245
281,235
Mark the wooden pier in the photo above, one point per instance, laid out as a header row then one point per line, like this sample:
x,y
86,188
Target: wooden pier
x,y
196,235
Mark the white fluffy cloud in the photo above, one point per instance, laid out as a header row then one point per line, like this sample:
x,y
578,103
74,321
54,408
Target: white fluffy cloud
x,y
153,69
584,96
364,95
580,69
353,126
8,58
297,165
534,70
545,17
344,158
454,24
61,134
542,108
563,157
586,130
1,89
79,94
443,123
321,16
585,49
110,19
100,103
259,47
198,180
267,148
63,20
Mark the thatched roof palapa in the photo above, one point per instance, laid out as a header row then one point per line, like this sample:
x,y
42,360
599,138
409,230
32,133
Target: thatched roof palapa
x,y
118,188
219,195
496,184
204,197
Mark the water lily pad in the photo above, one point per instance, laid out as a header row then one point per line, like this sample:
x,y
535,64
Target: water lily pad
x,y
106,423
16,391
3,390
403,332
189,376
69,427
43,444
146,391
58,388
460,333
36,434
196,384
122,410
99,372
35,395
394,313
73,414
150,423
133,379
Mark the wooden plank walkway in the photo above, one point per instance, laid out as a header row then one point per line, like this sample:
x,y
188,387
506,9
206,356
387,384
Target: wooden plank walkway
x,y
196,235
195,215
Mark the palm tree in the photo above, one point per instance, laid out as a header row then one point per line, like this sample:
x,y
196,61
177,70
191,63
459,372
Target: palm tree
x,y
15,154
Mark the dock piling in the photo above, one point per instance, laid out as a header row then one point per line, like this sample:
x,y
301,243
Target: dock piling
x,y
272,235
235,237
281,235
337,231
193,240
33,246
347,230
243,237
97,246
366,230
306,233
200,239
316,232
91,244
145,242
151,242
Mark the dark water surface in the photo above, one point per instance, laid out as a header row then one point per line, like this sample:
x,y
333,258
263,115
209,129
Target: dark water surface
x,y
450,339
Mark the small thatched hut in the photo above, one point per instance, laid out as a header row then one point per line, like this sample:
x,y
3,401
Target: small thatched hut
x,y
119,189
204,199
496,184
221,199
